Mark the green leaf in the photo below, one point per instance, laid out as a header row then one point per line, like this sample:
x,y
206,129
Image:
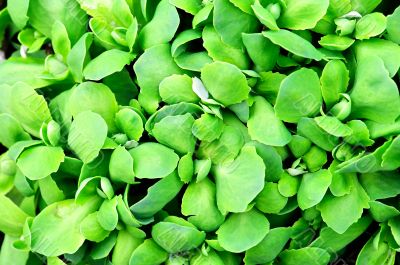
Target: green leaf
x,y
308,128
211,258
18,11
199,203
363,163
10,254
186,168
30,162
129,122
220,51
110,21
288,185
230,22
172,110
107,216
158,195
162,27
375,254
293,43
190,6
55,69
12,131
393,26
364,6
60,40
268,85
261,50
245,5
55,261
239,182
49,190
121,166
333,242
377,129
333,126
334,81
203,16
336,43
146,155
264,16
25,70
115,61
87,135
16,149
131,34
225,82
225,148
370,25
60,220
103,31
128,240
5,22
182,40
60,111
202,168
242,231
360,135
391,157
8,171
12,219
299,96
177,88
86,97
387,51
155,58
315,158
395,228
44,13
182,141
175,234
339,213
148,253
51,133
208,127
307,255
104,248
341,183
122,85
313,187
124,213
299,145
382,212
241,110
380,185
28,107
270,247
193,61
272,161
91,229
32,39
89,187
304,14
264,126
269,200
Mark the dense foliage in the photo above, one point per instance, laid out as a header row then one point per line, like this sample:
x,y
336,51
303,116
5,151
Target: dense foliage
x,y
199,132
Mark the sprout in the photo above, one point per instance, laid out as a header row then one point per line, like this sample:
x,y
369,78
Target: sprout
x,y
199,132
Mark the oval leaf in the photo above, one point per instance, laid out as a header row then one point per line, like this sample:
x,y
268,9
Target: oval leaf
x,y
153,160
87,135
242,231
